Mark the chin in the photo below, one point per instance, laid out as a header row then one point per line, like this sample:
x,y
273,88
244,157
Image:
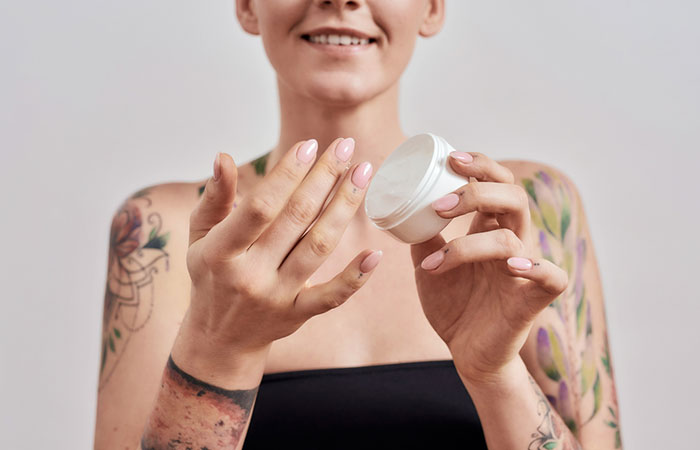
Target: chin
x,y
342,89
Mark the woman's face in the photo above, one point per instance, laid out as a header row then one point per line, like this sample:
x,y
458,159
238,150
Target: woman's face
x,y
341,52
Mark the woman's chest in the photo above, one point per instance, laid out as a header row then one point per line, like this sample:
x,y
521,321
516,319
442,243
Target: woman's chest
x,y
378,326
382,323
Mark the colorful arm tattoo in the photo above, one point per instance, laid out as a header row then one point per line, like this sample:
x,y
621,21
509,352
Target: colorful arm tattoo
x,y
128,302
191,414
565,347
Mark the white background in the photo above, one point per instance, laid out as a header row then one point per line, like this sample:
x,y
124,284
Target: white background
x,y
100,98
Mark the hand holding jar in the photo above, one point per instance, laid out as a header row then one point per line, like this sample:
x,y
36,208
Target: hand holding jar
x,y
481,292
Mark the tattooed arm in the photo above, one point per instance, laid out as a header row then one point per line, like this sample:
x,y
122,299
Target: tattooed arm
x,y
560,393
146,296
192,413
224,413
142,387
515,414
518,299
567,351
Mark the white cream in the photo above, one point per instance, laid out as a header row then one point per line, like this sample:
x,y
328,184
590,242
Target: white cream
x,y
410,179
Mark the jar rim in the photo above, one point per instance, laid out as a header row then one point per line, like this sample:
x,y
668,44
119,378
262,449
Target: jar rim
x,y
430,177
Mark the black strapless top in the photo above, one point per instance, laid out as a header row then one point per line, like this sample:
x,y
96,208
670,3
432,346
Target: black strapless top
x,y
416,405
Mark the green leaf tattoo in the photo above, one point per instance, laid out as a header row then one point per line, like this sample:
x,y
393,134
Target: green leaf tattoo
x,y
260,164
158,241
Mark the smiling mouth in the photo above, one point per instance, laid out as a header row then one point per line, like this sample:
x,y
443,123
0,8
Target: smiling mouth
x,y
337,39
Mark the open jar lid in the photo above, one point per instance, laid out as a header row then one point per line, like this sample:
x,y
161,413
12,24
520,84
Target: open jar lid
x,y
400,179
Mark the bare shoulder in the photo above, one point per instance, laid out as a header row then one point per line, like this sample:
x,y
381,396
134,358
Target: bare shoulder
x,y
177,199
556,206
526,173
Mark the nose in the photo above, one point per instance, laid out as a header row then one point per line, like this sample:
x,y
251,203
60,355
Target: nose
x,y
340,4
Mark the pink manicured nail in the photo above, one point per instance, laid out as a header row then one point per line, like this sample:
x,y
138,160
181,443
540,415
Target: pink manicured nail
x,y
217,167
361,174
462,156
344,149
307,151
520,263
433,260
446,203
371,261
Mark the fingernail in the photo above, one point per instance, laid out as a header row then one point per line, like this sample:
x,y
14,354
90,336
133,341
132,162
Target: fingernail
x,y
462,156
371,261
307,151
344,149
361,174
217,167
446,203
433,260
520,263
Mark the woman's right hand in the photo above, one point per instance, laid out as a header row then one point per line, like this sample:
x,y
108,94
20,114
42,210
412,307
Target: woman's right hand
x,y
249,263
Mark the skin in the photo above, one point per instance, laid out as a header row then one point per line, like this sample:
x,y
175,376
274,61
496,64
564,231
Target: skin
x,y
264,298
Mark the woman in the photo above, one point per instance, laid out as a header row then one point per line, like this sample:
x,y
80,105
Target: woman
x,y
209,283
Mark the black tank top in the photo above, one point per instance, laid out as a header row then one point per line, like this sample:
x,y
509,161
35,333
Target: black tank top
x,y
416,405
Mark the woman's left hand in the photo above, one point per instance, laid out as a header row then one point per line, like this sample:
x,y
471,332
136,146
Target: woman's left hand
x,y
482,306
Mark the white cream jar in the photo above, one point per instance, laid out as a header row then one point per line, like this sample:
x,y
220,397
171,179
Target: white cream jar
x,y
408,181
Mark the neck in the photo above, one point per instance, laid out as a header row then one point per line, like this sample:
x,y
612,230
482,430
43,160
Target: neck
x,y
374,124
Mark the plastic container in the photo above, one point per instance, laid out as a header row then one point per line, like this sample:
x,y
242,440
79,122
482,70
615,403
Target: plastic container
x,y
408,181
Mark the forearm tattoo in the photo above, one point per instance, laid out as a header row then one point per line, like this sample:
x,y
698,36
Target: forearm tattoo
x,y
565,348
551,432
192,414
132,263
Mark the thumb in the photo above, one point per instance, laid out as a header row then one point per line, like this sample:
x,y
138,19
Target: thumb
x,y
218,197
422,249
546,280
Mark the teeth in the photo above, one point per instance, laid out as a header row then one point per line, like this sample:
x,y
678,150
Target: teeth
x,y
335,39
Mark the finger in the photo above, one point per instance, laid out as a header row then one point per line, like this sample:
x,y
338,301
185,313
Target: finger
x,y
421,250
483,222
259,208
217,199
479,247
306,202
317,299
547,280
508,201
481,167
324,235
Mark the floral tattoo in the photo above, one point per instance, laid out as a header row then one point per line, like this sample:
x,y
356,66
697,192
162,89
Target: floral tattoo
x,y
551,433
570,362
128,302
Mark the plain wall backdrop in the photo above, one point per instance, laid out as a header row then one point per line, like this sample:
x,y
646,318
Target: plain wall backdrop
x,y
101,98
